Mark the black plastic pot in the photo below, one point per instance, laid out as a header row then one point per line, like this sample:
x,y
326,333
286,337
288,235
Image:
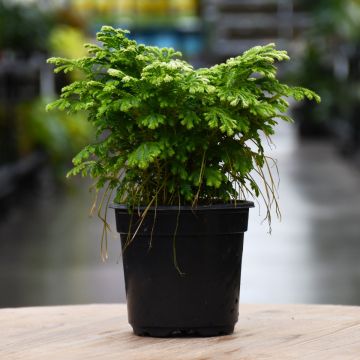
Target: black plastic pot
x,y
208,242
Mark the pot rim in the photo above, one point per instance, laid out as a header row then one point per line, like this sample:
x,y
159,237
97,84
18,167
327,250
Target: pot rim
x,y
240,204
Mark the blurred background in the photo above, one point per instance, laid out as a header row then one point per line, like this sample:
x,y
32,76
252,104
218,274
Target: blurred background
x,y
50,248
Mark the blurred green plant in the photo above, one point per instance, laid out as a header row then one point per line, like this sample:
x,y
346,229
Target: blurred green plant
x,y
57,134
23,28
329,44
67,41
336,19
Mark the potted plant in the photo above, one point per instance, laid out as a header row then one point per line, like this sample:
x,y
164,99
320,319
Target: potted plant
x,y
180,149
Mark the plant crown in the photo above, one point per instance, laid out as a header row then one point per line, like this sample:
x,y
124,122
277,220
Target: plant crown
x,y
169,134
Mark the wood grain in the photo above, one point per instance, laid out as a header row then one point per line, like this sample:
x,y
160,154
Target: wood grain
x,y
278,332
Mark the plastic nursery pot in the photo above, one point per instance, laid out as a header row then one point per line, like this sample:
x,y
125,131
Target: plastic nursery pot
x,y
207,242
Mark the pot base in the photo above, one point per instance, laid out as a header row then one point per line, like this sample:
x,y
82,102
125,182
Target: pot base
x,y
183,332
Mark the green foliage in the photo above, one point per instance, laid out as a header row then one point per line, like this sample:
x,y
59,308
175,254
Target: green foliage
x,y
170,134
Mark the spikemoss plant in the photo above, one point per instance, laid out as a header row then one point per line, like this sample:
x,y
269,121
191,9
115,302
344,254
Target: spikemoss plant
x,y
169,134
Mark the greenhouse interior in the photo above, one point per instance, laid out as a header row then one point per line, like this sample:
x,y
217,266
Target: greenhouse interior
x,y
51,247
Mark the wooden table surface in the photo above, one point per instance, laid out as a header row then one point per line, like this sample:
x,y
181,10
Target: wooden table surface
x,y
102,332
